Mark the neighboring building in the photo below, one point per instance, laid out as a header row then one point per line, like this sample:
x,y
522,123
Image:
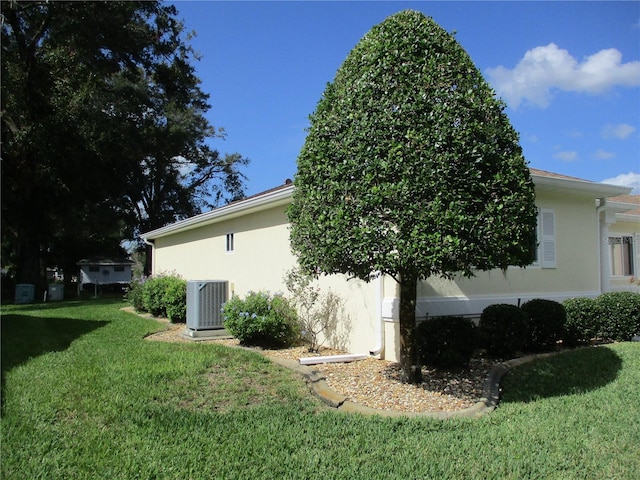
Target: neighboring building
x,y
54,274
104,271
247,243
623,243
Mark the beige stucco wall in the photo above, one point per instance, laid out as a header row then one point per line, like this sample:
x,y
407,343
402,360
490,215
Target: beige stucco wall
x,y
260,260
576,273
262,256
577,268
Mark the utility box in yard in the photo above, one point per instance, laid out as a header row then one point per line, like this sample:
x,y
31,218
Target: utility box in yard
x,y
25,293
56,291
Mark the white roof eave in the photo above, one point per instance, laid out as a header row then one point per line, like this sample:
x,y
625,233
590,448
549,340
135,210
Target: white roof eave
x,y
580,187
621,207
627,217
232,210
282,196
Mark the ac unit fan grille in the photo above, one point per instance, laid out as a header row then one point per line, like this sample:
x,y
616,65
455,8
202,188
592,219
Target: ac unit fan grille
x,y
204,302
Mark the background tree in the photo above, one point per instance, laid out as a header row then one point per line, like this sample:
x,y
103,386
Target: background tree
x,y
103,129
411,169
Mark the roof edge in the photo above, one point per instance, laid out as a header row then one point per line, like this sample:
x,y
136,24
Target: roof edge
x,y
577,186
545,181
255,203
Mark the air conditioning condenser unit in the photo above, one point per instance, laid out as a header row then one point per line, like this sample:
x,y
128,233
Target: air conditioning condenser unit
x,y
204,302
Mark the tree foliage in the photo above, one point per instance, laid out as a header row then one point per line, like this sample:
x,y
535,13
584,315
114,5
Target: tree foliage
x,y
411,169
103,129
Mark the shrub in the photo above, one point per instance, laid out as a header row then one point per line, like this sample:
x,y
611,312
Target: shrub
x,y
175,299
261,319
134,294
545,323
502,329
446,341
619,315
153,295
318,313
583,320
165,295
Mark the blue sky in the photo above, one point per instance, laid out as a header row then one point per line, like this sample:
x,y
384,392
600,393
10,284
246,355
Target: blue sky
x,y
569,72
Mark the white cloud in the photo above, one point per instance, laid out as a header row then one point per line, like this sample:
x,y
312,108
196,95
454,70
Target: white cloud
x,y
576,134
630,179
545,69
566,156
620,131
603,155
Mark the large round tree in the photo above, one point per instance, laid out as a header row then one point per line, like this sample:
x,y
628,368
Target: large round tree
x,y
411,169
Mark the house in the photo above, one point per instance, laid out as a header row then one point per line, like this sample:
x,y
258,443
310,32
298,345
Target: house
x,y
104,271
247,243
623,243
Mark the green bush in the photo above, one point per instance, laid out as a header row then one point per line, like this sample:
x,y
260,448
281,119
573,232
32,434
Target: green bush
x,y
446,341
583,320
134,294
619,315
502,329
153,295
545,323
175,299
163,296
261,319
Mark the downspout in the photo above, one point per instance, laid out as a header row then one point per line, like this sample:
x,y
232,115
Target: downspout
x,y
350,357
153,253
379,348
602,230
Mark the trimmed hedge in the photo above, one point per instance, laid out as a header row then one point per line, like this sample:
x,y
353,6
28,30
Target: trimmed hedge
x,y
162,296
261,319
545,323
619,315
175,299
583,320
612,316
502,329
446,341
153,295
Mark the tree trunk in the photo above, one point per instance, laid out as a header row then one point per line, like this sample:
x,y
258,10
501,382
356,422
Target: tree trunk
x,y
148,260
70,270
411,369
28,261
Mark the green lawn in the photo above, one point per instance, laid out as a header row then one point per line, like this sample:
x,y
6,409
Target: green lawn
x,y
84,396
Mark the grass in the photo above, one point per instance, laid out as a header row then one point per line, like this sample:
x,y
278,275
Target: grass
x,y
85,396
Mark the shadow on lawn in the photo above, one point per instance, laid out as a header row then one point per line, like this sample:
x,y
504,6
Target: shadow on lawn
x,y
14,308
570,373
24,337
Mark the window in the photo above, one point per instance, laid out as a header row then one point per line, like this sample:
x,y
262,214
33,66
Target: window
x,y
229,247
118,268
547,247
546,251
621,254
